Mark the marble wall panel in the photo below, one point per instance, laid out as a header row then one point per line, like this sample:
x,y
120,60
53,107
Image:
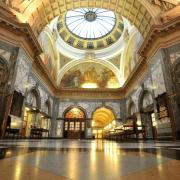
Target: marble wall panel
x,y
23,69
158,84
5,54
63,106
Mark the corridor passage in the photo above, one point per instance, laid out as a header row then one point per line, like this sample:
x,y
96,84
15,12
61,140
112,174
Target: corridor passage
x,y
88,160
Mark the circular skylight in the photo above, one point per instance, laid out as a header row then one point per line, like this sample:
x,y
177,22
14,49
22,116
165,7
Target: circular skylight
x,y
90,23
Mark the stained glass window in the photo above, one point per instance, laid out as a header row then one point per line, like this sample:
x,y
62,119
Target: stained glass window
x,y
74,113
90,23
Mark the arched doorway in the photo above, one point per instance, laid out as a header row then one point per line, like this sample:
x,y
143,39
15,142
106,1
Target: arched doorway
x,y
31,112
101,118
74,123
46,119
146,105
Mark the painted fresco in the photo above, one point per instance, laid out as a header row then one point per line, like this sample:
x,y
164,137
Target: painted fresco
x,y
89,75
49,55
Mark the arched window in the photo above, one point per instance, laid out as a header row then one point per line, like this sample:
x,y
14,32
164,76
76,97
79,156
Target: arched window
x,y
75,113
32,99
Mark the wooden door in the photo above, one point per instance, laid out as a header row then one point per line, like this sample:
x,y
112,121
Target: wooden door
x,y
74,129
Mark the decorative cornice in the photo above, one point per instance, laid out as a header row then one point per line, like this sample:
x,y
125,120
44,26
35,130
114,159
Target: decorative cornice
x,y
90,93
9,21
160,36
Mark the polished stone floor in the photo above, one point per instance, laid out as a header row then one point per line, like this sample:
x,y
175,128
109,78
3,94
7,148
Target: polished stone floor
x,y
88,160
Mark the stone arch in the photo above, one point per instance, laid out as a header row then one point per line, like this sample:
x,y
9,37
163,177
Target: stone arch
x,y
34,91
107,107
47,106
73,63
134,42
104,114
74,106
145,96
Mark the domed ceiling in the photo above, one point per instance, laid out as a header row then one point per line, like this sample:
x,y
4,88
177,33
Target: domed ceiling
x,y
91,23
88,48
90,28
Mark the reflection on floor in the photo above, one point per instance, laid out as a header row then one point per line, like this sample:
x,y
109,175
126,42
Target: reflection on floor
x,y
88,160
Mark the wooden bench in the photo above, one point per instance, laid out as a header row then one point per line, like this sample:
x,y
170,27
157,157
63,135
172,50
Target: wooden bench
x,y
38,132
126,131
10,132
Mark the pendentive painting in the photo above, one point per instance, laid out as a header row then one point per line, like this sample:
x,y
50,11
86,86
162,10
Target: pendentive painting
x,y
89,75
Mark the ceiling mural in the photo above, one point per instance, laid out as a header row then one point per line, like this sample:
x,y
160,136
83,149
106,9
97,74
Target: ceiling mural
x,y
89,75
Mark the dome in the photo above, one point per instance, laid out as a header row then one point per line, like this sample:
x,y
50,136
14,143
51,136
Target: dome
x,y
90,23
90,28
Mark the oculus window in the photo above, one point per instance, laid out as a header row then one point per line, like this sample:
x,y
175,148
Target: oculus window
x,y
90,23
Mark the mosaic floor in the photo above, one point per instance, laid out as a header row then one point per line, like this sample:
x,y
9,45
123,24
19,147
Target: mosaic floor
x,y
88,160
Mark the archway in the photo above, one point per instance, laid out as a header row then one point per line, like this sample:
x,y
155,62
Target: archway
x,y
146,106
102,117
45,119
31,112
74,123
